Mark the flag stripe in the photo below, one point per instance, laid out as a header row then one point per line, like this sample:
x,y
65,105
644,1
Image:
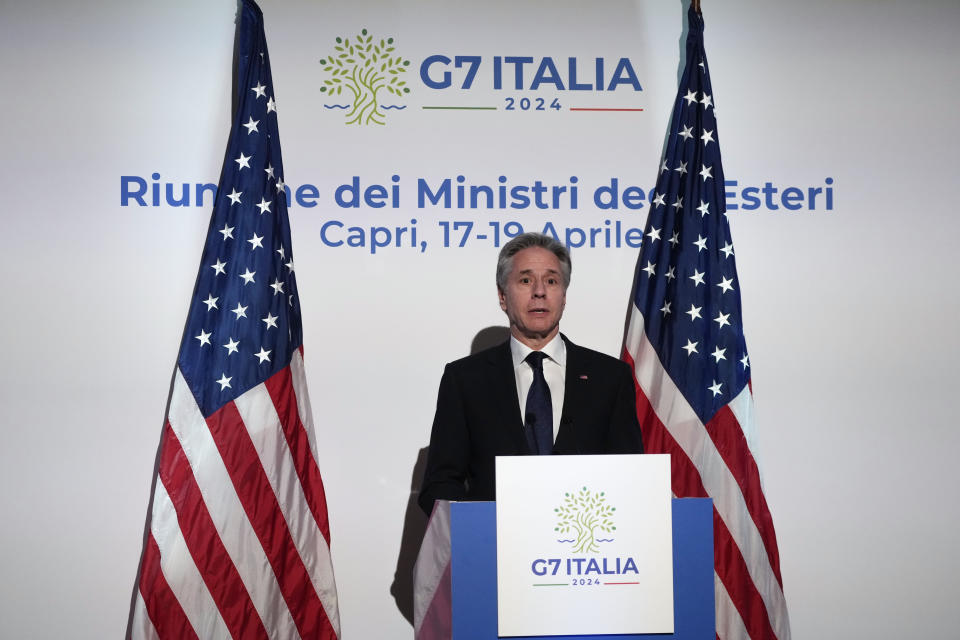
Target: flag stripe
x,y
284,399
227,512
181,572
437,622
729,623
264,512
731,567
694,443
724,430
162,613
299,378
142,628
742,408
747,554
288,392
272,440
432,604
211,557
684,476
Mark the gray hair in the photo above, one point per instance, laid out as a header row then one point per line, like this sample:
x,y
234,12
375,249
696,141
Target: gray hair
x,y
527,241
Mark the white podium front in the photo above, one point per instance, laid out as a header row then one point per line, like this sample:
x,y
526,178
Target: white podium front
x,y
584,545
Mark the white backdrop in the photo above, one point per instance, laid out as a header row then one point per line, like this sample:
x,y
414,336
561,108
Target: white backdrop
x,y
850,313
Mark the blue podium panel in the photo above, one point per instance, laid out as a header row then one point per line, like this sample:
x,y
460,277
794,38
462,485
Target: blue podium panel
x,y
473,534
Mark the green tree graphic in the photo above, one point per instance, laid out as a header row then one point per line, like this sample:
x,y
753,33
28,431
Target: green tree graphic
x,y
364,68
586,514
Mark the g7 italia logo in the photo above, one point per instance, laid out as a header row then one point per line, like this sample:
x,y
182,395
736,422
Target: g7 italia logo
x,y
586,515
368,70
365,77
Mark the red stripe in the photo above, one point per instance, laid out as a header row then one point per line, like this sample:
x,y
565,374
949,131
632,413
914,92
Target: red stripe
x,y
685,477
732,570
728,560
284,398
163,608
262,509
211,557
728,437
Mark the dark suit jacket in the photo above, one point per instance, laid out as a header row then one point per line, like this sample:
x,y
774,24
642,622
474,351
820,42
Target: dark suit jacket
x,y
478,418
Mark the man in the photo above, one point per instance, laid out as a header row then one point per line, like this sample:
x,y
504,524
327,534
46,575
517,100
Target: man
x,y
575,400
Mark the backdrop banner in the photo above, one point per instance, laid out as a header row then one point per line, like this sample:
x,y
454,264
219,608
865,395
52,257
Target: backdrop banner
x,y
417,139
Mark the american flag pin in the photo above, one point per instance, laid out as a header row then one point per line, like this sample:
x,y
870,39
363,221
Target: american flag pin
x,y
583,376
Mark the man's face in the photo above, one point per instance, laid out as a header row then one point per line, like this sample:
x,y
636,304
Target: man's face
x,y
534,296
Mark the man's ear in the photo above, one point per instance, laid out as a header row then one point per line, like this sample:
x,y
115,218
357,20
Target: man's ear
x,y
503,299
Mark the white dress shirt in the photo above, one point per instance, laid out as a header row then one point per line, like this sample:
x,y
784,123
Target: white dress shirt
x,y
554,371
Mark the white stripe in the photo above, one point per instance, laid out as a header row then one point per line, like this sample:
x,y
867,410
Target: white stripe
x,y
181,573
299,380
685,426
729,623
141,628
742,408
260,417
431,562
226,511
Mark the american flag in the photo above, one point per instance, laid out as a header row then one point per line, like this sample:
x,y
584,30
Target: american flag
x,y
685,344
237,540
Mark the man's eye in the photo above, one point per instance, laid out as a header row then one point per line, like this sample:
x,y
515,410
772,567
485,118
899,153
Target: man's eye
x,y
524,280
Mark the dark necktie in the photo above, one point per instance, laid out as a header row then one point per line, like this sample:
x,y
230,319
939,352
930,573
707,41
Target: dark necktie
x,y
539,414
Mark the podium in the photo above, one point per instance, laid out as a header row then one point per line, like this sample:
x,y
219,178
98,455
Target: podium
x,y
473,575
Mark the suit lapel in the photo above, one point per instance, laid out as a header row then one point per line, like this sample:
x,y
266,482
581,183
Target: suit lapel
x,y
504,384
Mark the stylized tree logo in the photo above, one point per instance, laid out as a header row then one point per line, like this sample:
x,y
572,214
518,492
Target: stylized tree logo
x,y
585,514
365,68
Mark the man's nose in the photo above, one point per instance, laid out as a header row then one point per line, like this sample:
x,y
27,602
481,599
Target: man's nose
x,y
539,288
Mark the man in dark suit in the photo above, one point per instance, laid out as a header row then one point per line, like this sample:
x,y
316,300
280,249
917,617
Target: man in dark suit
x,y
575,400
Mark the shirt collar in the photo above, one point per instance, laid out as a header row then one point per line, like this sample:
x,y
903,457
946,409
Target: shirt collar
x,y
556,350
